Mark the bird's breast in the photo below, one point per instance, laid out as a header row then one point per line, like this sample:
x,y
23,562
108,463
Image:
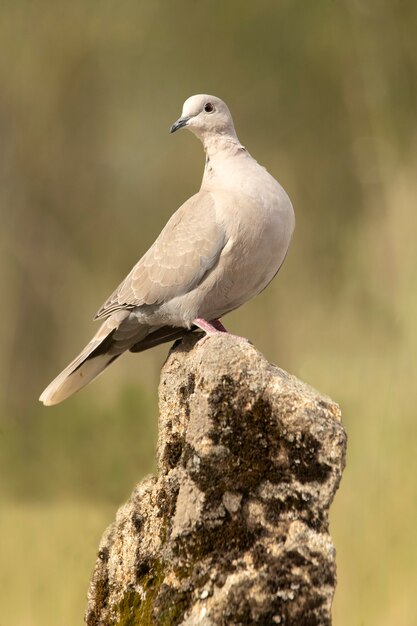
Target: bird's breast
x,y
257,219
258,224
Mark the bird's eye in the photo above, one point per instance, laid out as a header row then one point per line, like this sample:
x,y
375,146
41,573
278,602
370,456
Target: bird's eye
x,y
208,107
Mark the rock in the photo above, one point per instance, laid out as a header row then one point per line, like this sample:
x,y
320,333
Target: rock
x,y
234,529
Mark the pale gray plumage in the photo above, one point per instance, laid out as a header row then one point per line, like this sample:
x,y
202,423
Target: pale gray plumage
x,y
221,248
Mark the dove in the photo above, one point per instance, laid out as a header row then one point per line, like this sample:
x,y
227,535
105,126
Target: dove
x,y
218,250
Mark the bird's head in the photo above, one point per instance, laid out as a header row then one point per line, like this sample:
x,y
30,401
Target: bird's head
x,y
205,115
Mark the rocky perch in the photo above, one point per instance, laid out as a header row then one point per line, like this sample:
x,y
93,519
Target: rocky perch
x,y
234,529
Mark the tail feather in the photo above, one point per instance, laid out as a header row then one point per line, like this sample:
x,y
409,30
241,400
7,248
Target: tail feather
x,y
77,374
118,333
114,337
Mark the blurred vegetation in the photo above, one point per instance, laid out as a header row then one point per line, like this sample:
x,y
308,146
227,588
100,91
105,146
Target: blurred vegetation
x,y
323,94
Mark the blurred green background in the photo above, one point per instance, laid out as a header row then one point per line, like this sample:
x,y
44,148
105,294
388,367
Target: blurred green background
x,y
324,94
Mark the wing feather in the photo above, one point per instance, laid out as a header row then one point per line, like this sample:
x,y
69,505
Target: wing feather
x,y
187,248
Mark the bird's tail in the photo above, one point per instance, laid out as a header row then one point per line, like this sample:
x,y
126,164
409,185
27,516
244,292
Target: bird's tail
x,y
113,338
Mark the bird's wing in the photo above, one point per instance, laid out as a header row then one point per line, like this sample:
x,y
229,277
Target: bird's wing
x,y
188,247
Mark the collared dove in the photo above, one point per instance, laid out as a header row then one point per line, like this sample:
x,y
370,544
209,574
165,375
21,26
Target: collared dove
x,y
220,249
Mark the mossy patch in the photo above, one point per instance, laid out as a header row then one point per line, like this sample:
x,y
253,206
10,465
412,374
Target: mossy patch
x,y
160,605
131,611
171,605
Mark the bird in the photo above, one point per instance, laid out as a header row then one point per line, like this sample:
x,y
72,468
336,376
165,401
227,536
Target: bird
x,y
221,248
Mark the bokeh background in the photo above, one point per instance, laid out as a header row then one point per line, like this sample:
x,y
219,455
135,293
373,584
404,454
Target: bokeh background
x,y
324,94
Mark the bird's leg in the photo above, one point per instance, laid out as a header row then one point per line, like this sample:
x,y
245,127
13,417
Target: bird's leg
x,y
218,326
210,328
213,328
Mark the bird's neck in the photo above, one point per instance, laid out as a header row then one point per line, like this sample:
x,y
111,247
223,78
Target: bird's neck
x,y
224,153
218,144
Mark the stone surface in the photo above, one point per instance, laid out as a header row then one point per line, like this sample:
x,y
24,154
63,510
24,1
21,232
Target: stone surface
x,y
234,529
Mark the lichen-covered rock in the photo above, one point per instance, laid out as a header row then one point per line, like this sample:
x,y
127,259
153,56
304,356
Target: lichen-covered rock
x,y
234,529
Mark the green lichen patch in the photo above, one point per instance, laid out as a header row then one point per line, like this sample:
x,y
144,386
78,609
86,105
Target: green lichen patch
x,y
171,605
136,609
158,605
130,611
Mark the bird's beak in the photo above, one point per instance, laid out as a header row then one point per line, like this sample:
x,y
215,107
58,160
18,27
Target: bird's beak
x,y
183,121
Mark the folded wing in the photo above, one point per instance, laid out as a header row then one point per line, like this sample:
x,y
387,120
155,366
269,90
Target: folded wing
x,y
188,247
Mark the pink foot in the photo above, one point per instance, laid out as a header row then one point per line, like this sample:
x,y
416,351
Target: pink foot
x,y
218,326
210,328
213,327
